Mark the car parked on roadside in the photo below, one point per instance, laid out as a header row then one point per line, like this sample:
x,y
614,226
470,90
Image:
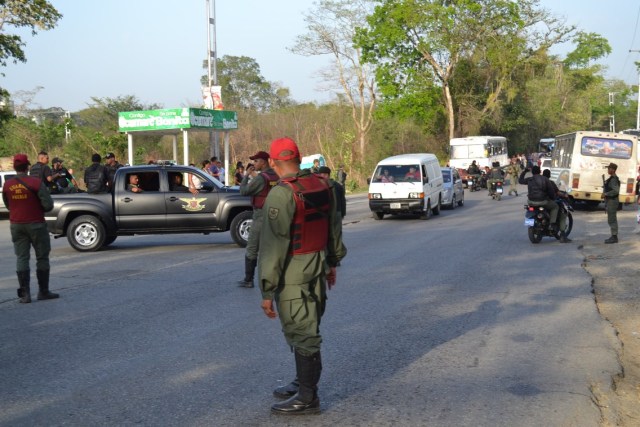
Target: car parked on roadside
x,y
452,189
4,175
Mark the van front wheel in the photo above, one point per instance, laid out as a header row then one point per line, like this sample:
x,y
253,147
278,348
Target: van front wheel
x,y
436,210
378,215
427,213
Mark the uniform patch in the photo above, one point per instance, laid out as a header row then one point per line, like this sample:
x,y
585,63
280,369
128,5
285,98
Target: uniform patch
x,y
273,213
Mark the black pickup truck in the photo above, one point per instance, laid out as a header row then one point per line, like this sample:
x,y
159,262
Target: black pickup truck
x,y
92,221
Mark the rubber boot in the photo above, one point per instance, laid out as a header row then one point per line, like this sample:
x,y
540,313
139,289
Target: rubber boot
x,y
612,239
43,284
24,292
305,401
249,272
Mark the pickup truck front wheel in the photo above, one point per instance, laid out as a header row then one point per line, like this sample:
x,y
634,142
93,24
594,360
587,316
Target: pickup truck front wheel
x,y
86,233
240,228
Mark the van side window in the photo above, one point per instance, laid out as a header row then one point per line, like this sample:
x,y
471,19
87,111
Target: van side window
x,y
425,174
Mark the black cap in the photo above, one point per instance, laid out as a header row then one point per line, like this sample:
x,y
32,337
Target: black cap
x,y
110,156
612,166
57,160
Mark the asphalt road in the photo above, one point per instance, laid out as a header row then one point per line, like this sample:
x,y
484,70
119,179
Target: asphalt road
x,y
454,321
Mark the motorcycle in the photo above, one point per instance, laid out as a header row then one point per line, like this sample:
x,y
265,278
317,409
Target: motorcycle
x,y
496,190
537,218
473,183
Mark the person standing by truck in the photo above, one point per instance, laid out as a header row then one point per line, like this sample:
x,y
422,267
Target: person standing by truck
x,y
27,199
257,184
112,166
42,170
95,176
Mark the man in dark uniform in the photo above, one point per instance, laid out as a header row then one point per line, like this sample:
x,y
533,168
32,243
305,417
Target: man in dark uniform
x,y
494,176
42,170
611,202
541,193
112,166
64,181
95,176
299,252
257,184
27,199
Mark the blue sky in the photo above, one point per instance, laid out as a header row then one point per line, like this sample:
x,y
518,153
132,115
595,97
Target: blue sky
x,y
154,48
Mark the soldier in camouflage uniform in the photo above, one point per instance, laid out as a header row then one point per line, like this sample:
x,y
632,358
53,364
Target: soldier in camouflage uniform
x,y
611,194
513,171
299,251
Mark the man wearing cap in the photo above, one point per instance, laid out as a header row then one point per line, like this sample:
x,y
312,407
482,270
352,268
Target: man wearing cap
x,y
257,184
611,202
95,176
299,251
112,166
338,193
27,199
42,170
64,181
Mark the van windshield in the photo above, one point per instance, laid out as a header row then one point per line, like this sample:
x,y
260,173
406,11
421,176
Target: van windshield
x,y
397,173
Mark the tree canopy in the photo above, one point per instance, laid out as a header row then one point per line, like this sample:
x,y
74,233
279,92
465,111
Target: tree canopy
x,y
33,14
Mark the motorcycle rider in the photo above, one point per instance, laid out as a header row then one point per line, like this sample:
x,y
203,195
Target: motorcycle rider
x,y
541,193
496,174
561,212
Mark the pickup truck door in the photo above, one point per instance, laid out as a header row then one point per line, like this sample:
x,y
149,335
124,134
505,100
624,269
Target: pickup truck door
x,y
186,211
143,211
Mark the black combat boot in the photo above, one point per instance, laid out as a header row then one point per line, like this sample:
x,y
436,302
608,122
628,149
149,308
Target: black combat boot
x,y
249,272
305,401
24,292
43,284
564,238
612,239
286,391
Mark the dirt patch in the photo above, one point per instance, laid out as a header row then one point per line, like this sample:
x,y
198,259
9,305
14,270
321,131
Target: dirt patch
x,y
616,285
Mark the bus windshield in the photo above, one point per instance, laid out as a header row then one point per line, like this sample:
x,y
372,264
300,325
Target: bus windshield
x,y
468,151
605,147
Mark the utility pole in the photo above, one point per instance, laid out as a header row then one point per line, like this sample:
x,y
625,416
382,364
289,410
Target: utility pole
x,y
212,69
638,115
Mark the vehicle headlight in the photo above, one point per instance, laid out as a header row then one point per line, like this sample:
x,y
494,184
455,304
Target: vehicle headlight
x,y
375,196
416,195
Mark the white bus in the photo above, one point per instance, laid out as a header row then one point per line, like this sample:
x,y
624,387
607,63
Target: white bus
x,y
483,149
580,160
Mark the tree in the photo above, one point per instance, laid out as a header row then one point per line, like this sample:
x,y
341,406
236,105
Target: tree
x,y
331,30
244,88
32,14
436,35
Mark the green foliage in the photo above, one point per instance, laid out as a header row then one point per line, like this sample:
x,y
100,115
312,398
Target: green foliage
x,y
15,14
589,47
244,88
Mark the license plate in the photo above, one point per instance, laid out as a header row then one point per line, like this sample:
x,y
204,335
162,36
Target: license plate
x,y
499,190
528,222
396,206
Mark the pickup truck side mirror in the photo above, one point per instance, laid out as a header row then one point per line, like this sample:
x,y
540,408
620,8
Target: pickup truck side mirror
x,y
207,186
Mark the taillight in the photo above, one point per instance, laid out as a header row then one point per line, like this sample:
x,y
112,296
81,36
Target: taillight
x,y
576,180
630,186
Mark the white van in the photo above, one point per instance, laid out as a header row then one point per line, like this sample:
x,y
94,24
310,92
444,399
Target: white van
x,y
3,177
408,183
